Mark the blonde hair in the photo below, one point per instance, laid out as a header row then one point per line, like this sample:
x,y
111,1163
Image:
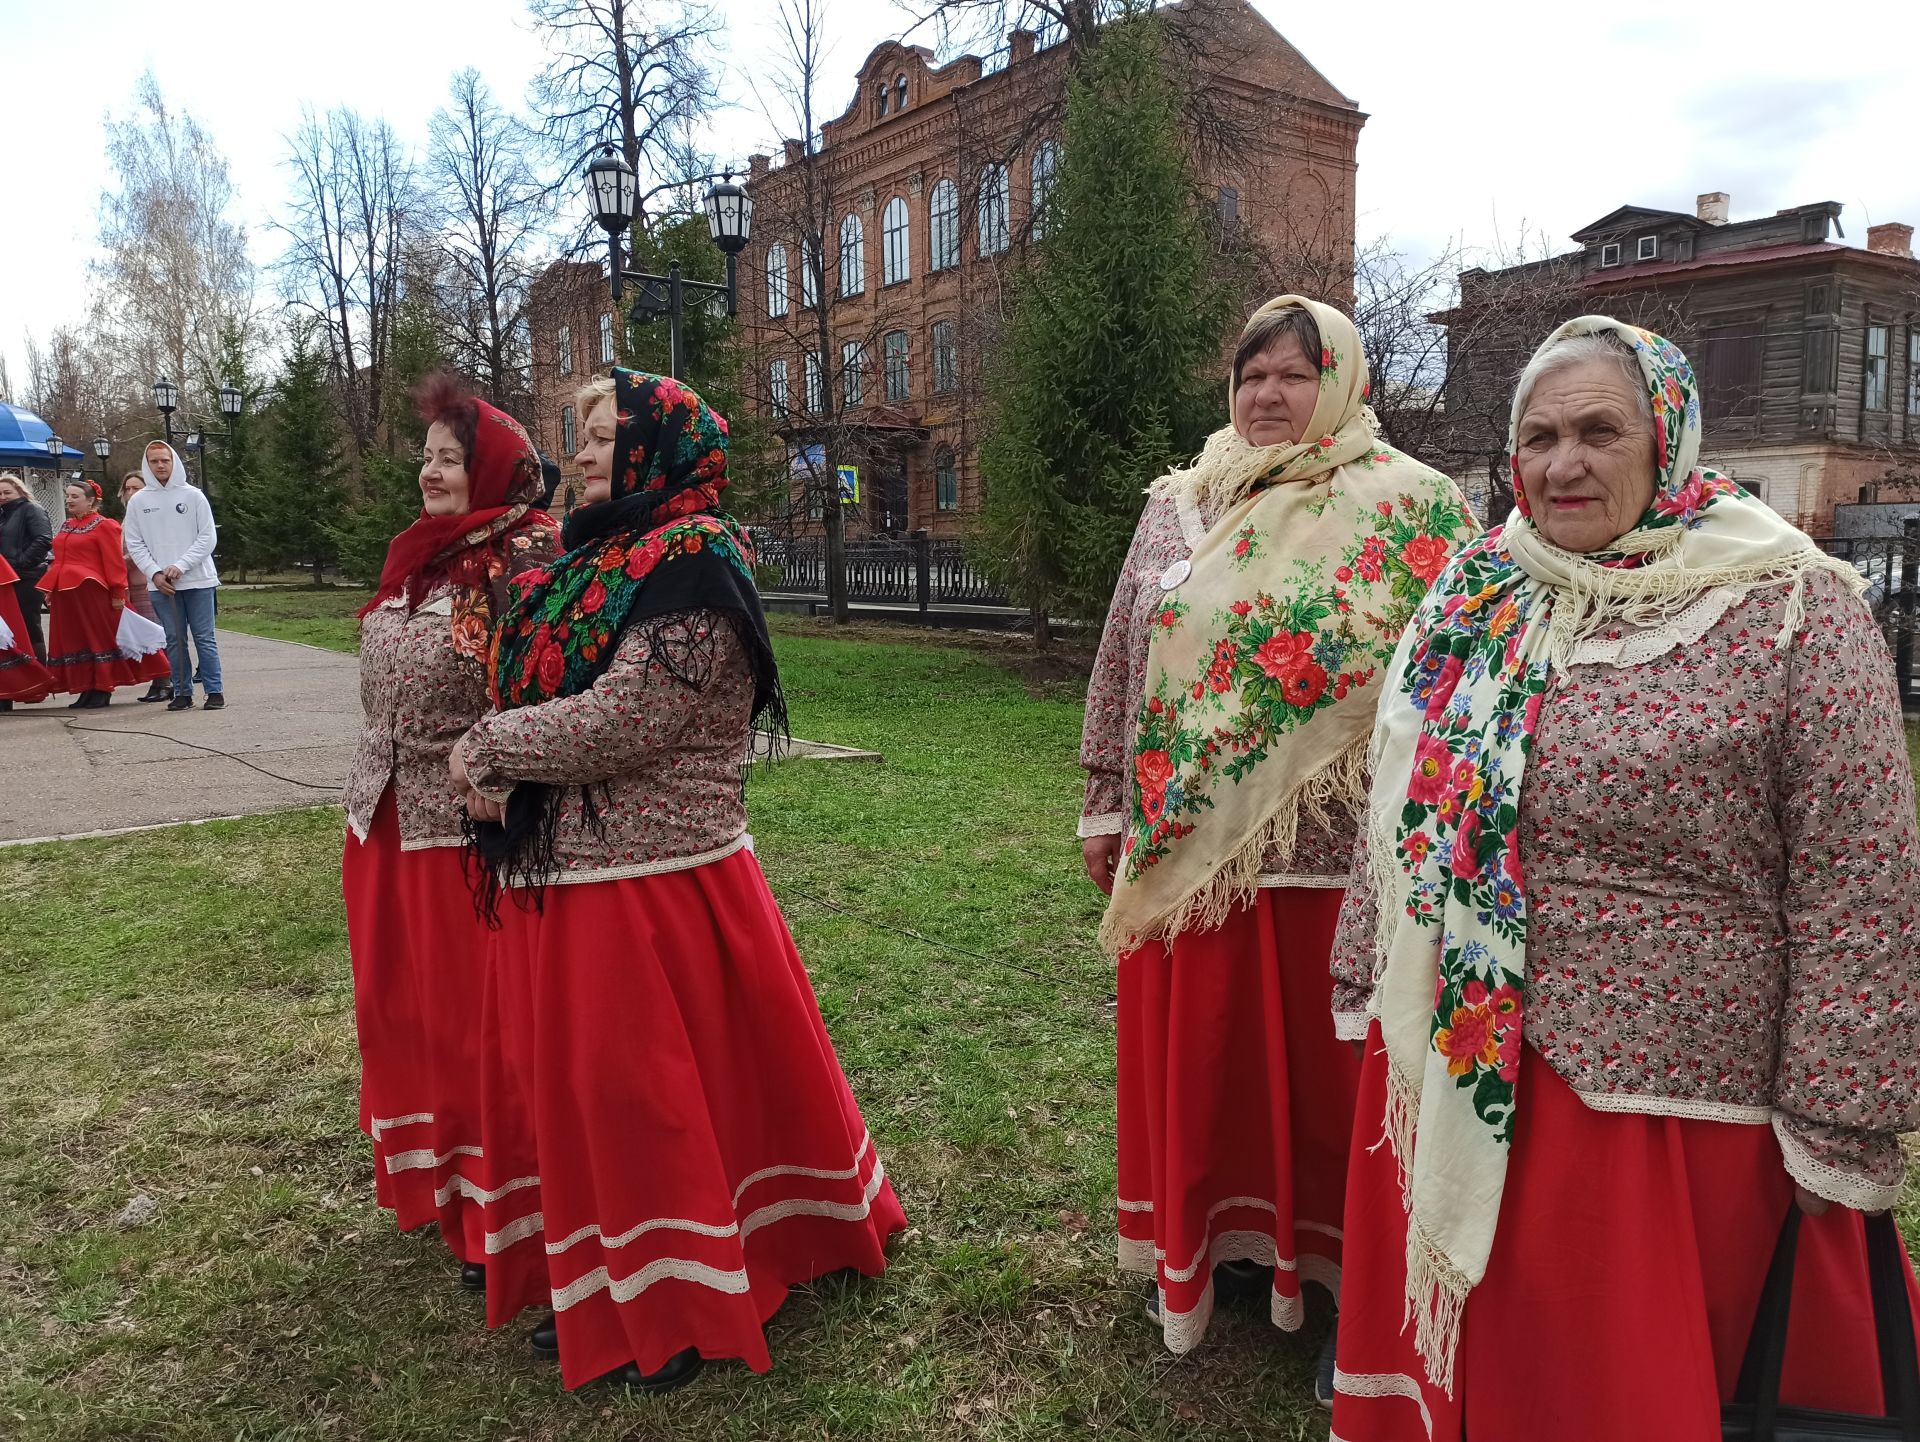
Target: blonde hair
x,y
12,478
590,395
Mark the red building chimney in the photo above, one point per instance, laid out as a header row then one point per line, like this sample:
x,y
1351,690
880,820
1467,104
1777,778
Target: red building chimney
x,y
1893,238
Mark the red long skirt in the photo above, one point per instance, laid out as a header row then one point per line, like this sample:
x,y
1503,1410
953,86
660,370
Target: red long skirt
x,y
697,1150
22,677
418,973
82,654
1235,1108
1625,1273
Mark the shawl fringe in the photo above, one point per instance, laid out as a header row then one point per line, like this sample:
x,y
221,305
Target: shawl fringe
x,y
1436,1291
1342,782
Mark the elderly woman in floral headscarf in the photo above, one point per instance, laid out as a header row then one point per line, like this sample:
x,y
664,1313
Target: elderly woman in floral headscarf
x,y
416,942
1634,941
1226,731
697,1151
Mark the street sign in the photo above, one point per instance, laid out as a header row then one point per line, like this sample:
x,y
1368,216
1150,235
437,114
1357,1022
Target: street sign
x,y
849,485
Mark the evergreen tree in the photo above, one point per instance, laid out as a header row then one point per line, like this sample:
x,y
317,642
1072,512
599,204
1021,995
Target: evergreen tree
x,y
231,467
304,483
1109,372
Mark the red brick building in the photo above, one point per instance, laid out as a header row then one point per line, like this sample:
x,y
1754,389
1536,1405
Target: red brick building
x,y
925,193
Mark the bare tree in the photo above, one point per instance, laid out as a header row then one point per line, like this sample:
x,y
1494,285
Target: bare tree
x,y
631,73
354,212
488,190
173,273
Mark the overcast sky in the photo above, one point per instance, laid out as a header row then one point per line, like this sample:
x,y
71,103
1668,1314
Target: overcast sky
x,y
1487,119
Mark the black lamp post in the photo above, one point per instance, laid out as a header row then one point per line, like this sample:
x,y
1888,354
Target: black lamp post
x,y
612,191
103,448
201,441
166,400
56,449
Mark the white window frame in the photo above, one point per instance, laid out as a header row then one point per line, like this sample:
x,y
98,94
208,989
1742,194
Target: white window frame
x,y
853,374
776,280
810,274
779,392
896,259
951,500
568,439
1913,370
853,256
1040,178
1610,255
994,197
1876,372
949,372
943,226
1648,248
896,366
563,344
813,375
606,338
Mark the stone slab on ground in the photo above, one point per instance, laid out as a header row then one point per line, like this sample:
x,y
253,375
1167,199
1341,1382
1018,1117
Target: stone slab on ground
x,y
285,739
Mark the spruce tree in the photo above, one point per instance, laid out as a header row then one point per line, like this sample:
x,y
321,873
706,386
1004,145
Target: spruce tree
x,y
303,489
1109,372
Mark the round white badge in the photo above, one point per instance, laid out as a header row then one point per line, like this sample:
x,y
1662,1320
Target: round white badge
x,y
1172,578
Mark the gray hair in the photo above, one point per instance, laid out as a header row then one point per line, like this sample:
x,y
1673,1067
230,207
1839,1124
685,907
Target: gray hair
x,y
1264,332
1573,350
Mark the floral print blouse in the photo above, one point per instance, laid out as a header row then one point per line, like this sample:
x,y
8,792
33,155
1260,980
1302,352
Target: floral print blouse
x,y
1720,858
1117,689
663,758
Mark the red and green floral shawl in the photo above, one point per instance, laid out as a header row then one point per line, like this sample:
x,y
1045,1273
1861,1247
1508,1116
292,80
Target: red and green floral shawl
x,y
1265,662
1451,749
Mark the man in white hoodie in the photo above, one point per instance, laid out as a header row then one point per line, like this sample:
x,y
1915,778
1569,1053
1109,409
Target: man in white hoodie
x,y
170,536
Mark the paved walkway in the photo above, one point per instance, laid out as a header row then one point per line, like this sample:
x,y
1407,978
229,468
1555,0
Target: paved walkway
x,y
285,739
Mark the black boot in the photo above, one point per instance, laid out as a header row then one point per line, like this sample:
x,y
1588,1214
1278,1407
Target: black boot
x,y
99,699
79,702
473,1276
545,1339
160,690
681,1368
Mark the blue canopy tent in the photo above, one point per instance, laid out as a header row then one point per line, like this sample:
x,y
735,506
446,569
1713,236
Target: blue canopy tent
x,y
23,447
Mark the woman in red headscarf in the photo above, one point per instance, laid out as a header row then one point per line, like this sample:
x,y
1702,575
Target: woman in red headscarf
x,y
417,944
22,677
86,590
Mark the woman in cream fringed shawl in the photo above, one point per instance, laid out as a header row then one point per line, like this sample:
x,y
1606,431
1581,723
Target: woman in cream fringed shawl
x,y
1605,1076
1226,734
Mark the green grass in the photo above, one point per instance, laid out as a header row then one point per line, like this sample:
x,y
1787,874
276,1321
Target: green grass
x,y
201,1050
313,615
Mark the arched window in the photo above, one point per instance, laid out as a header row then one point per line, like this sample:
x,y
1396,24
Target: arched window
x,y
893,353
899,92
946,358
567,446
776,280
853,256
606,338
1045,162
778,394
880,103
946,480
564,345
943,216
809,273
895,263
993,209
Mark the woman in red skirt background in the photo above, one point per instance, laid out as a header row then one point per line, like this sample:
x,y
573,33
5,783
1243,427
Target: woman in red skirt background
x,y
1226,733
696,1149
22,677
86,588
417,944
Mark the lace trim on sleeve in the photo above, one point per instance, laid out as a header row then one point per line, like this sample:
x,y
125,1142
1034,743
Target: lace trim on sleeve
x,y
1846,1188
1111,823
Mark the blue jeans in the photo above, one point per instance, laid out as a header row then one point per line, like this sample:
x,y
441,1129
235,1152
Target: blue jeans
x,y
187,613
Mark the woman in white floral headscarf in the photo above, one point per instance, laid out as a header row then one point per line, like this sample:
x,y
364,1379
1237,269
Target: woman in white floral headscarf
x,y
1633,940
1226,733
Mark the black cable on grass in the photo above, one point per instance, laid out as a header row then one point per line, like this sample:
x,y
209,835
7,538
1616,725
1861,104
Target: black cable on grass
x,y
210,750
1053,978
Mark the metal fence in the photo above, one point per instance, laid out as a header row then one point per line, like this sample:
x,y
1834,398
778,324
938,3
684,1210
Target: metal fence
x,y
1891,565
913,570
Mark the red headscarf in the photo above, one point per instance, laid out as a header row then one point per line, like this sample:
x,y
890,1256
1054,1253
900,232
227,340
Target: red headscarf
x,y
503,483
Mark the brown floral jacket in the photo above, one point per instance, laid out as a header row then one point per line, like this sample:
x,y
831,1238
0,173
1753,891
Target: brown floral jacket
x,y
663,756
1116,690
423,682
1719,847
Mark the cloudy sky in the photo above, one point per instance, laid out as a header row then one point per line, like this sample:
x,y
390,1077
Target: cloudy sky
x,y
1490,121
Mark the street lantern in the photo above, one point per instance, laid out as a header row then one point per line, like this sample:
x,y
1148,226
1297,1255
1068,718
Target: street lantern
x,y
612,190
730,216
56,448
612,196
230,399
102,447
166,400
